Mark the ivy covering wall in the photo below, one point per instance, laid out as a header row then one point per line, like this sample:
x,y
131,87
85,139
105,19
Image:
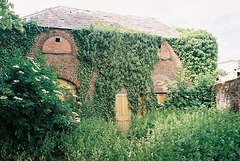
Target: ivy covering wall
x,y
197,50
14,41
121,58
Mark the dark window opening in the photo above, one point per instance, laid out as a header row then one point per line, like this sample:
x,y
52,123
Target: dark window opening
x,y
238,74
57,39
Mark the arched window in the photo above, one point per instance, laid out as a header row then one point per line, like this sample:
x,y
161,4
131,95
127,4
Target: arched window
x,y
57,45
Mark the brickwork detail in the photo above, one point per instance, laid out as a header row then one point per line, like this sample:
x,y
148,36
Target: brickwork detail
x,y
228,94
56,44
165,70
63,56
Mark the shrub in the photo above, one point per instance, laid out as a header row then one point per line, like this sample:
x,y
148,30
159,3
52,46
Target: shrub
x,y
30,106
207,134
192,93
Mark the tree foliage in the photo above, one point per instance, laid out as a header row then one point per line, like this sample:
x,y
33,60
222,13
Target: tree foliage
x,y
8,18
30,106
13,42
192,93
197,50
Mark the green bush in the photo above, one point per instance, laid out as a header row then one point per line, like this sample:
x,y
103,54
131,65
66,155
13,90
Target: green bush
x,y
30,106
197,50
164,134
192,93
207,134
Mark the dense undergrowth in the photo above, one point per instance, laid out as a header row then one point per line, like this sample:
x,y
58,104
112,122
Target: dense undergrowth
x,y
167,134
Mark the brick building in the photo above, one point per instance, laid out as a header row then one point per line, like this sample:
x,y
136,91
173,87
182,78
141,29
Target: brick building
x,y
60,49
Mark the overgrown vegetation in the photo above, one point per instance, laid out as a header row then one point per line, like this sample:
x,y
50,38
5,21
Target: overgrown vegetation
x,y
121,60
188,93
14,42
30,105
36,125
197,50
169,134
126,59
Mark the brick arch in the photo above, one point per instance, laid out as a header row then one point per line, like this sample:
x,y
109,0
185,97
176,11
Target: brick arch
x,y
56,44
66,62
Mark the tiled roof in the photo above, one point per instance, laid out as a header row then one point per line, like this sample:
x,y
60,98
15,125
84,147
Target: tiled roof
x,y
71,18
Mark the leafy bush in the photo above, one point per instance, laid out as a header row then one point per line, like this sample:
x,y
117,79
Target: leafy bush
x,y
192,93
197,50
206,134
30,106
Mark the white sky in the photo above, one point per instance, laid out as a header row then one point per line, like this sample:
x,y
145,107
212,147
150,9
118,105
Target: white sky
x,y
220,17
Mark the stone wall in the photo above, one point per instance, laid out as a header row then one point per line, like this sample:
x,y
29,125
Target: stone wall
x,y
60,50
228,94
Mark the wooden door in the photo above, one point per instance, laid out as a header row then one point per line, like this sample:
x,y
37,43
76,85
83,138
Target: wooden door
x,y
161,97
123,112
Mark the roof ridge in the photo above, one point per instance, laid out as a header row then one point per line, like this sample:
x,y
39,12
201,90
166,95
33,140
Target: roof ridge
x,y
73,18
42,11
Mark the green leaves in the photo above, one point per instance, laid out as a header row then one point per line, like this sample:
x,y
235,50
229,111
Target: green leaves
x,y
8,19
30,106
122,59
197,50
13,42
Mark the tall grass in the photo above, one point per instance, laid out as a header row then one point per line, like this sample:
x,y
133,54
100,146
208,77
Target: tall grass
x,y
207,134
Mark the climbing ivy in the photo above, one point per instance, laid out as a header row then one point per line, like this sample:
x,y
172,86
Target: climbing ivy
x,y
197,50
13,41
121,59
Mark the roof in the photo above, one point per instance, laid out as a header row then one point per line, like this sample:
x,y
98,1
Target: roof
x,y
230,61
72,18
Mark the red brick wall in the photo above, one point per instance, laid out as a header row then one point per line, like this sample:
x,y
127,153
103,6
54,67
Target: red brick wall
x,y
51,46
165,70
63,55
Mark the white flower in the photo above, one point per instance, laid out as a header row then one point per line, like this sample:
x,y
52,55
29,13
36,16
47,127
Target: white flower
x,y
79,103
74,113
44,91
75,95
54,82
38,67
16,66
34,70
0,17
21,72
77,119
17,98
45,77
30,58
37,79
3,97
58,92
16,81
68,87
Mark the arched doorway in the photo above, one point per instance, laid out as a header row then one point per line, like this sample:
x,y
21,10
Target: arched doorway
x,y
69,86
